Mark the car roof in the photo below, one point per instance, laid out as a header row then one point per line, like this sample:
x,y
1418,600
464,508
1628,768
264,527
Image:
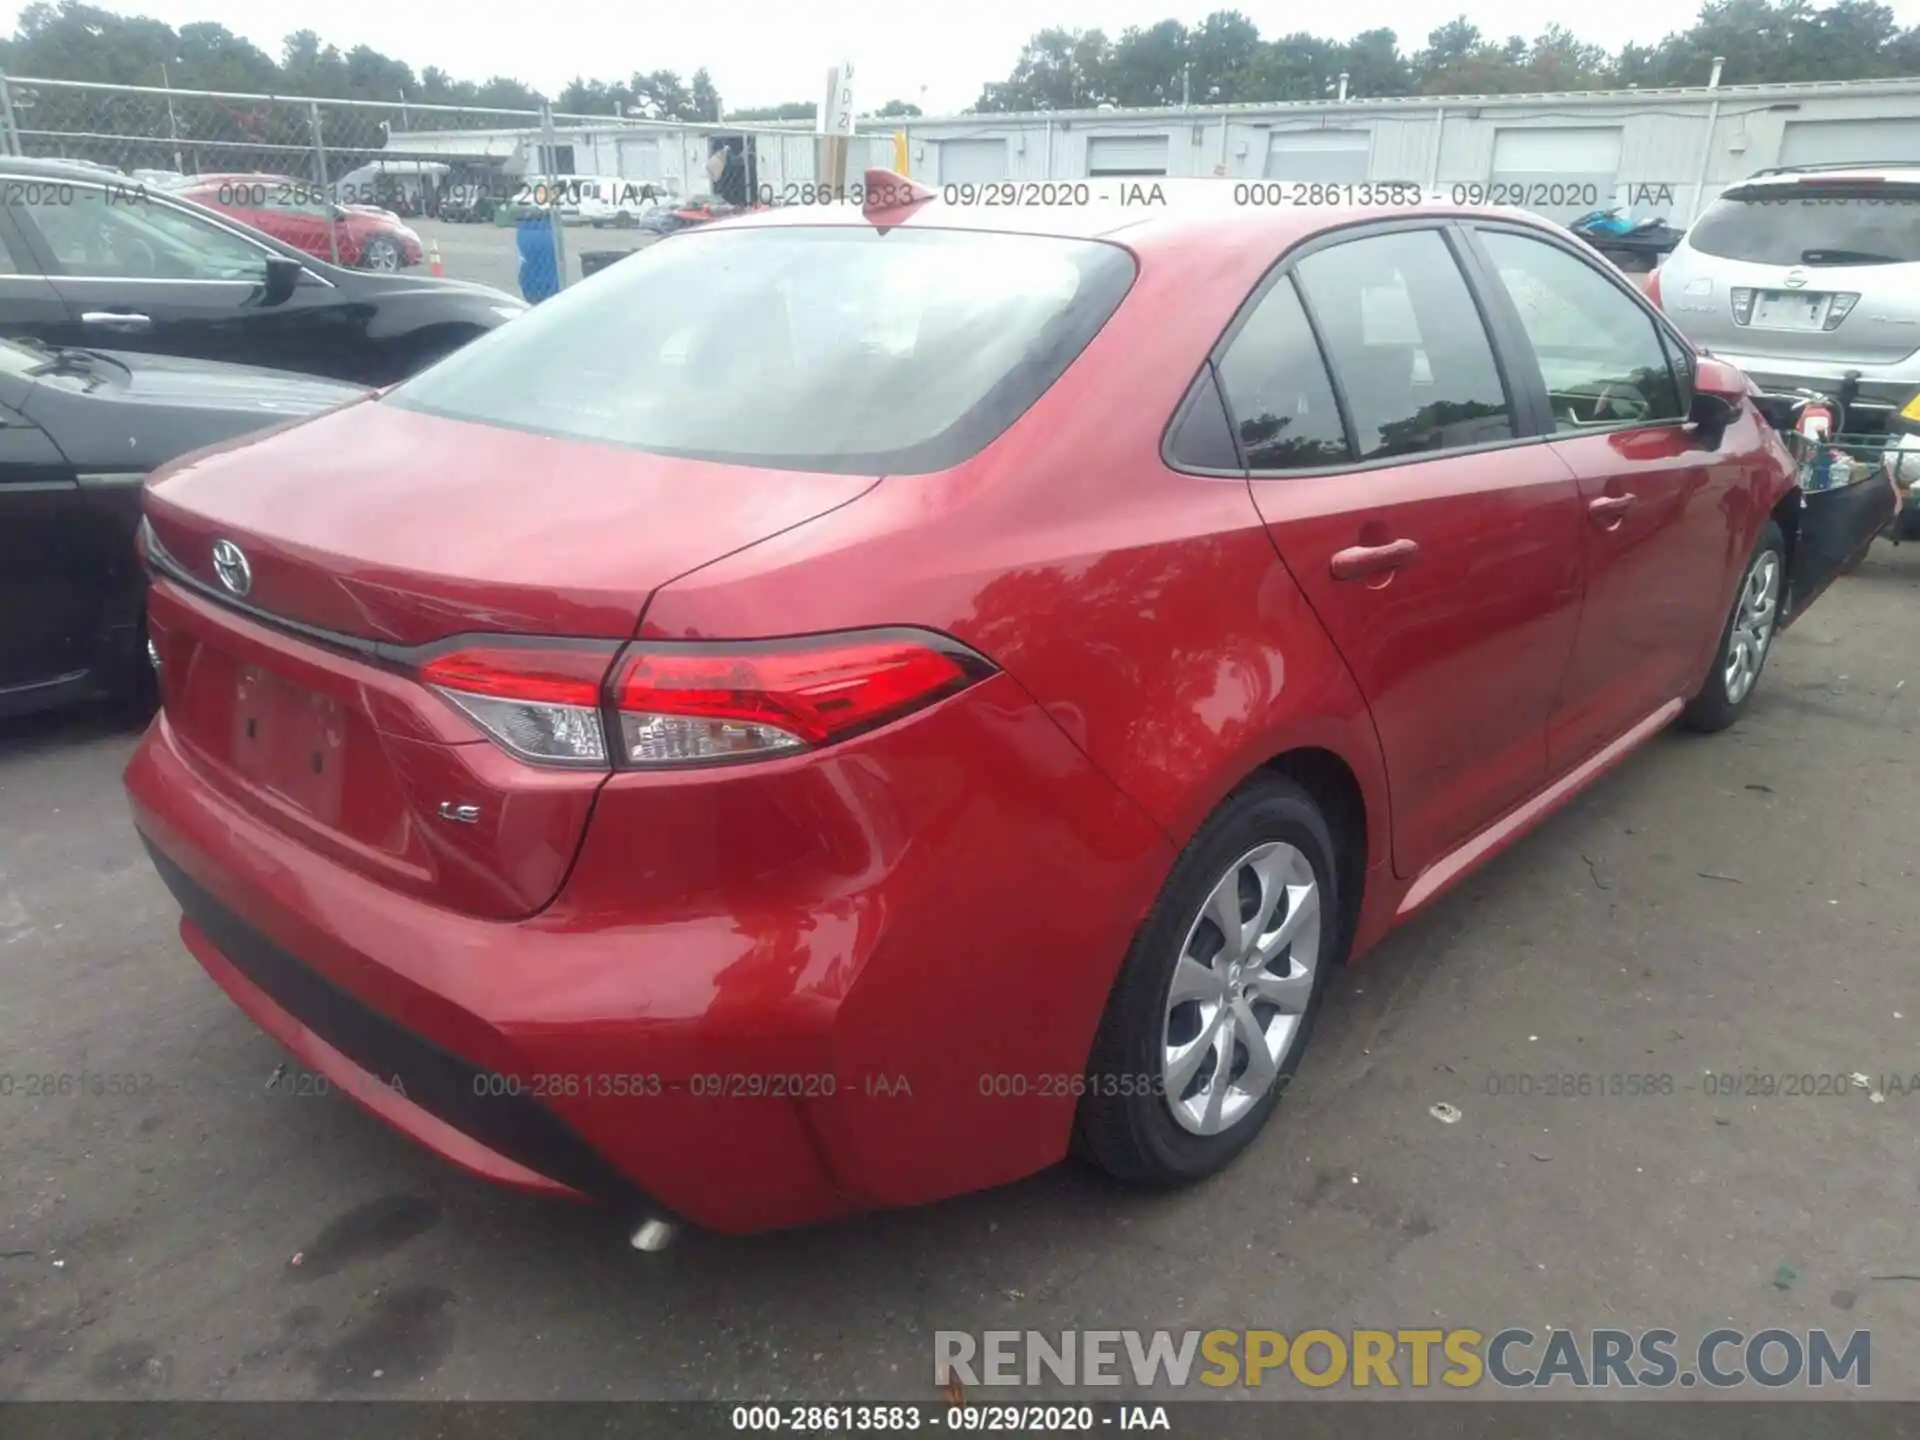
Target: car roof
x,y
1896,171
1196,226
213,177
66,169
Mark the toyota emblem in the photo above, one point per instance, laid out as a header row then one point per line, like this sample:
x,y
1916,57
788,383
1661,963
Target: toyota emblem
x,y
230,564
1796,278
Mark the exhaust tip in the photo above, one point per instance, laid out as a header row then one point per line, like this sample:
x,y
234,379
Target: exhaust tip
x,y
653,1236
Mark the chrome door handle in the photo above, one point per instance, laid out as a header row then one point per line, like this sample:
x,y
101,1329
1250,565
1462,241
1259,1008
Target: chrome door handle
x,y
1361,561
1610,510
125,319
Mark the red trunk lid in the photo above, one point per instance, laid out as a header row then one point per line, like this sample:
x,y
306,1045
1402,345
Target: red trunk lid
x,y
385,525
392,525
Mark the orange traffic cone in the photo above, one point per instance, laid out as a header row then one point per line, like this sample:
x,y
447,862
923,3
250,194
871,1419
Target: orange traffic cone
x,y
433,257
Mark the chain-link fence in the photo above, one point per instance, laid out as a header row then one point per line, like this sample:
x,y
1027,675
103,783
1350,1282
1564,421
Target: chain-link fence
x,y
464,191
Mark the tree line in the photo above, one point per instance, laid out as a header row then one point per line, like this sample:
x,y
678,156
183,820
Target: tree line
x,y
70,40
1224,60
1221,60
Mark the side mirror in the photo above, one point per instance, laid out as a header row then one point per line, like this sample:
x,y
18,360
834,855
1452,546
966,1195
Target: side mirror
x,y
282,275
1718,391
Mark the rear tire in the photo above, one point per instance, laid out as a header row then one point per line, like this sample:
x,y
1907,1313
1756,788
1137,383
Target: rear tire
x,y
1746,640
1175,1087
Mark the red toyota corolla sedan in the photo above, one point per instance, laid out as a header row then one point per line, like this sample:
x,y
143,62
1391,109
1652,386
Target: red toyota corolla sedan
x,y
843,709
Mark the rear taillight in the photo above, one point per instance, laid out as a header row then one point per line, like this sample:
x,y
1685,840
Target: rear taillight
x,y
698,705
1840,307
1653,287
539,701
674,704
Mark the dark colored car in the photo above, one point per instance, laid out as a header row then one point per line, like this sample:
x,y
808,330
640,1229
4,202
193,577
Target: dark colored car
x,y
469,202
80,430
846,709
90,261
299,213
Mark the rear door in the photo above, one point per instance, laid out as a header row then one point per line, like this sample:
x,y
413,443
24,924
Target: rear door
x,y
1437,539
1666,529
139,274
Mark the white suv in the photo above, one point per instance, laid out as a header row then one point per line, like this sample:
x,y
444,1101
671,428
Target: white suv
x,y
1805,275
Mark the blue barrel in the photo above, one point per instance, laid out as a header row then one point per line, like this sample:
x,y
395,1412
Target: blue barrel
x,y
539,277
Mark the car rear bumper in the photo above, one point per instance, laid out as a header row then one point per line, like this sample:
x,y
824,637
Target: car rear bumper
x,y
420,1089
825,1047
1883,388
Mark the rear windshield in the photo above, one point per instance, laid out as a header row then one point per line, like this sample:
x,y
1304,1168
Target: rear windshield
x,y
1806,225
844,350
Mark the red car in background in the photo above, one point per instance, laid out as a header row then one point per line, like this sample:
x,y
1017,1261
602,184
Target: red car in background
x,y
846,708
298,213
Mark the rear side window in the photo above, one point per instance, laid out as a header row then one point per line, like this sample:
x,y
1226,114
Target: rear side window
x,y
1407,345
1812,225
846,350
1277,388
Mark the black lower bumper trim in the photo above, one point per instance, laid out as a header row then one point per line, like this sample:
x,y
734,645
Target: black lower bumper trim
x,y
439,1082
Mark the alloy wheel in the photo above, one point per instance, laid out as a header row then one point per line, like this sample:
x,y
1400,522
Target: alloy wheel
x,y
1241,988
382,255
1753,622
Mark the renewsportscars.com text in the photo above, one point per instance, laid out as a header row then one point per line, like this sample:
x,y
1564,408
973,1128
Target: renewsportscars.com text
x,y
1460,1359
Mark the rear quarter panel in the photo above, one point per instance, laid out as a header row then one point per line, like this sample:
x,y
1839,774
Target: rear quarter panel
x,y
1148,616
1144,609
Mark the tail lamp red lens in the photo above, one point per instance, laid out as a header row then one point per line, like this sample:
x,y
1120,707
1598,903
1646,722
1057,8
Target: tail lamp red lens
x,y
1653,288
541,702
680,706
669,705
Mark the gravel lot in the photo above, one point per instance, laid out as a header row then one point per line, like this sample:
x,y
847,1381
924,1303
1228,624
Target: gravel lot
x,y
1745,903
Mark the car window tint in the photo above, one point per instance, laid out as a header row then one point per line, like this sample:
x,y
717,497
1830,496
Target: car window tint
x,y
140,238
1812,224
1600,354
1407,345
851,350
1278,391
1202,439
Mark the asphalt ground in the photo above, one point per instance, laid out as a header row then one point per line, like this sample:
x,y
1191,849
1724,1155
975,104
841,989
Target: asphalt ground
x,y
490,254
1744,905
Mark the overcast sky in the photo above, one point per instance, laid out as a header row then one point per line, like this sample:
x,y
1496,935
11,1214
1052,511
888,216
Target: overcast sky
x,y
761,53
